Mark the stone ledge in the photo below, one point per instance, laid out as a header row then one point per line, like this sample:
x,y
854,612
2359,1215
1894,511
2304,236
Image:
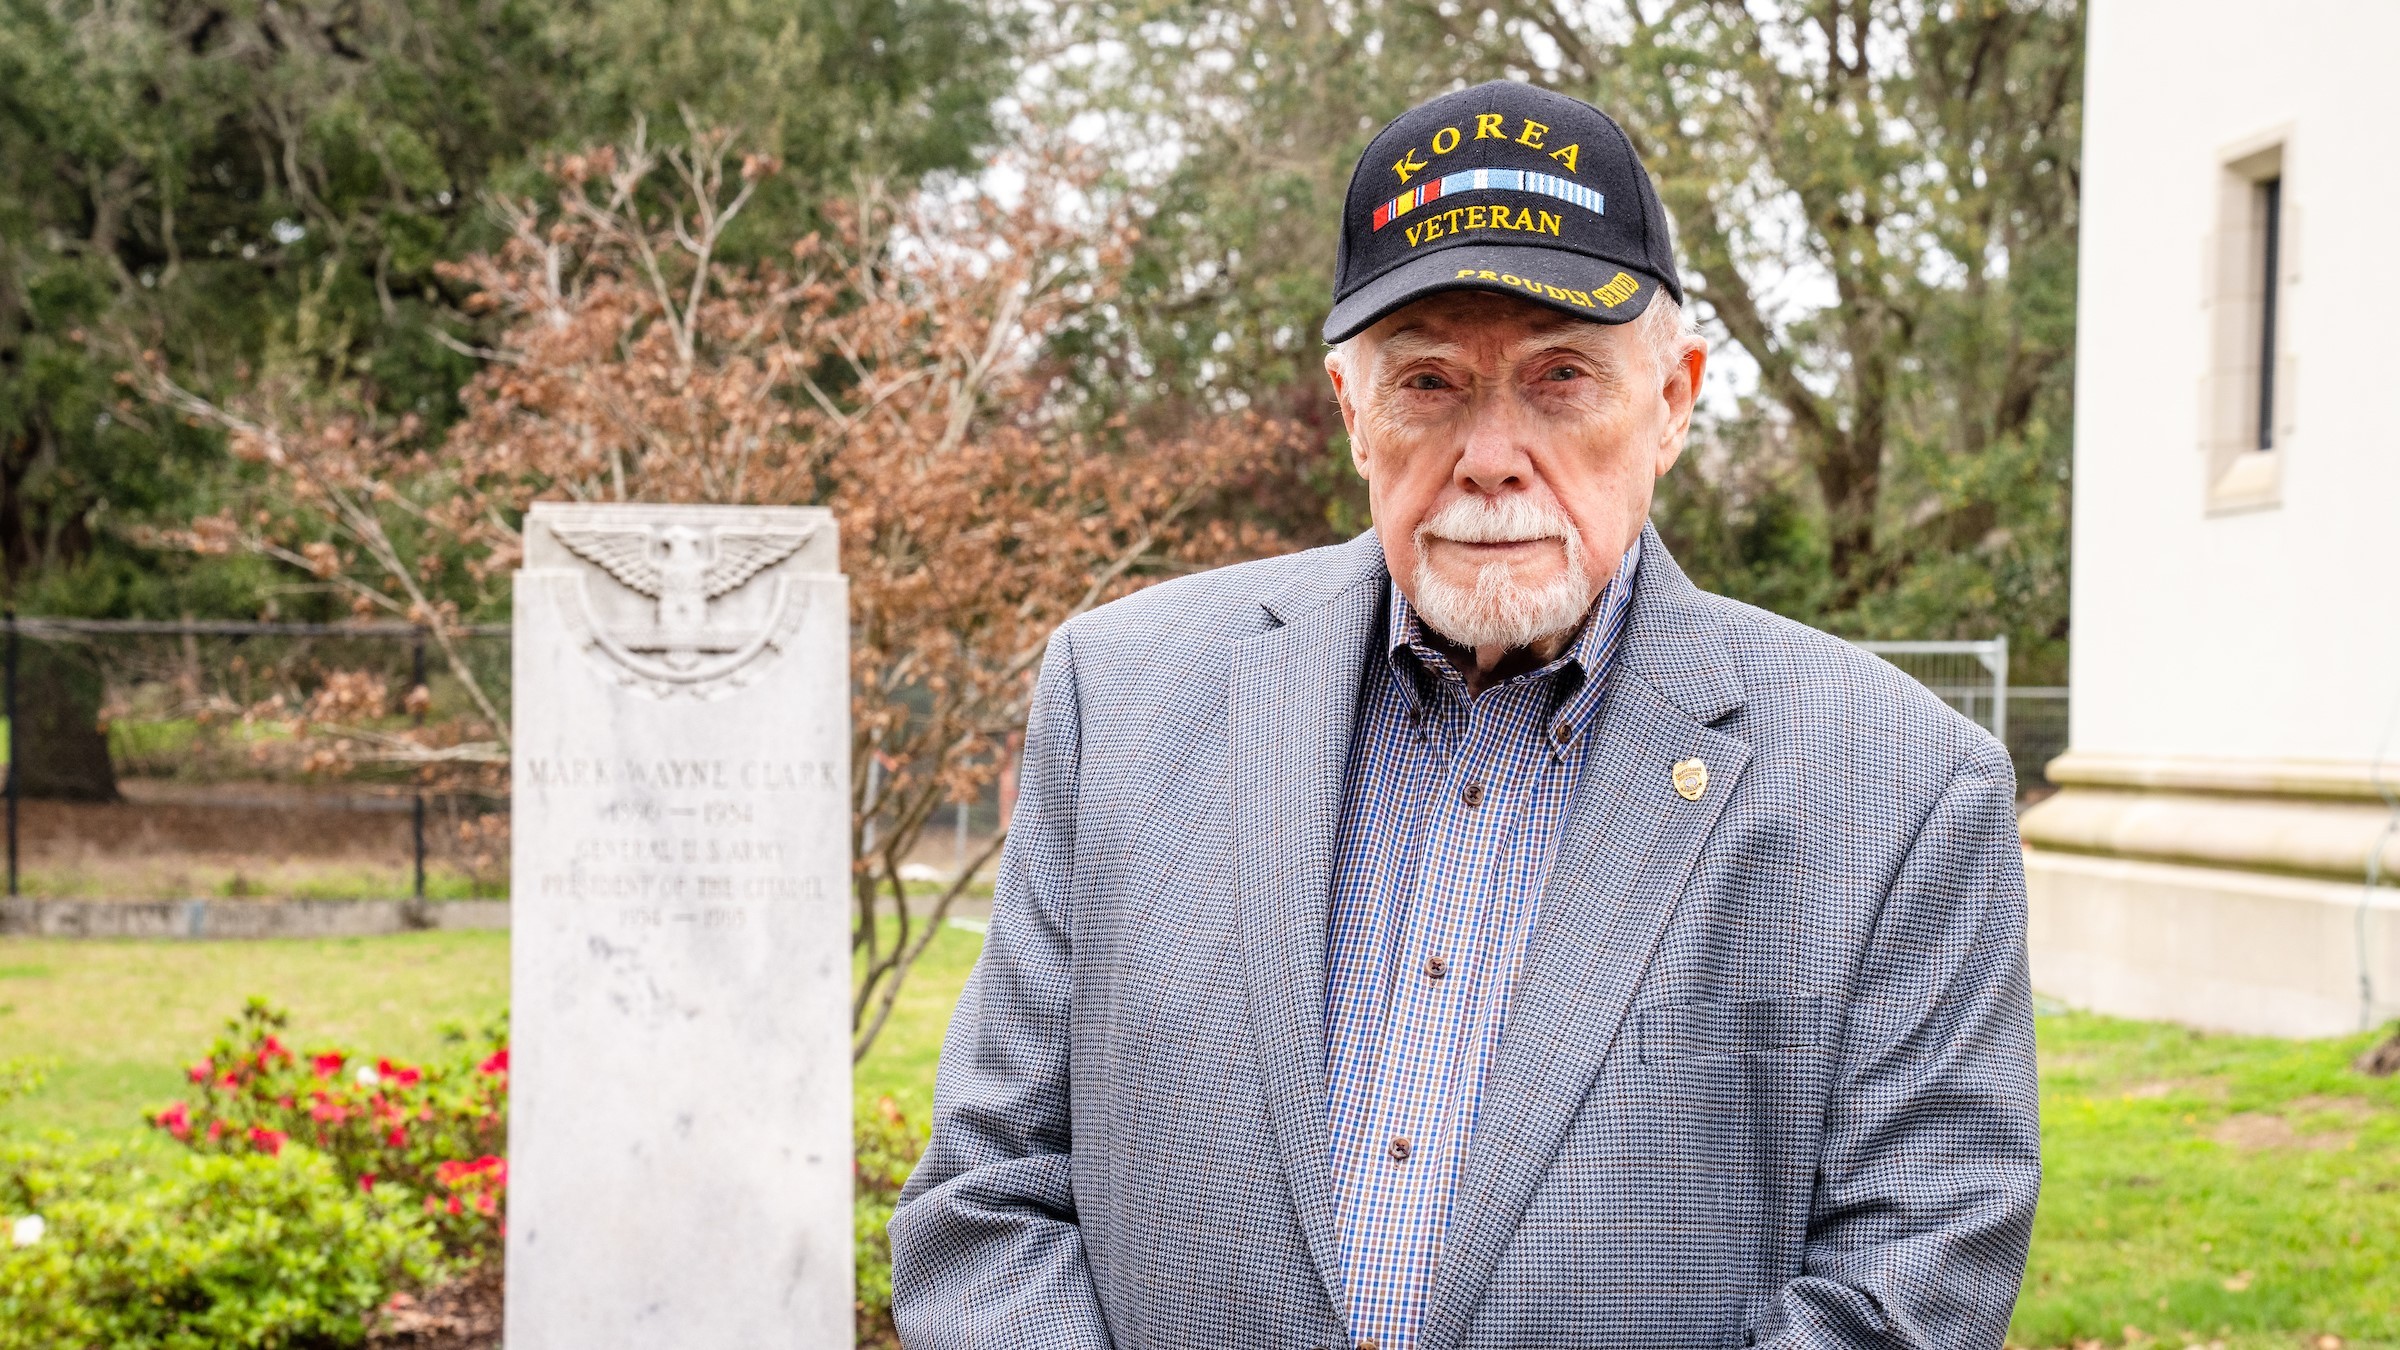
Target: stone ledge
x,y
2298,836
243,918
2341,780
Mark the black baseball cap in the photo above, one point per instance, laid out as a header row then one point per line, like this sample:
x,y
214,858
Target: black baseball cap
x,y
1504,187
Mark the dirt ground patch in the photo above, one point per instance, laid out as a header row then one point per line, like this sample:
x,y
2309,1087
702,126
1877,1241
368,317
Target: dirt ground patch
x,y
174,841
464,1314
2307,1123
247,820
2213,1089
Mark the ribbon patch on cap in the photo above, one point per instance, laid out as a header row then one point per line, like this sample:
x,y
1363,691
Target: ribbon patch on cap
x,y
1493,180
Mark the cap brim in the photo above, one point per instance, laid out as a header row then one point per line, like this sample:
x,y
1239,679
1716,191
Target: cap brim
x,y
1572,283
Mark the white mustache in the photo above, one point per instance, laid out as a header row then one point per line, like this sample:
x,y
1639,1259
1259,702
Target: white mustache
x,y
1515,518
1495,610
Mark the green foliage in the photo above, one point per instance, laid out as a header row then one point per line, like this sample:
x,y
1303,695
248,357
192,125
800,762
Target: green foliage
x,y
433,1133
247,185
23,1076
898,87
206,181
886,1149
192,1252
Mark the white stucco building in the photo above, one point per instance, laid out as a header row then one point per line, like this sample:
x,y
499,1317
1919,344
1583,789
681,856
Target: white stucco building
x,y
2236,640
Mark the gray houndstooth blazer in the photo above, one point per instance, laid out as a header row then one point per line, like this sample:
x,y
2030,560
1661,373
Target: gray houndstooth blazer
x,y
1767,1078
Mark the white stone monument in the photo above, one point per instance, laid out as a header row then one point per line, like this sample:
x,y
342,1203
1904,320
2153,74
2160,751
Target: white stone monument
x,y
679,1133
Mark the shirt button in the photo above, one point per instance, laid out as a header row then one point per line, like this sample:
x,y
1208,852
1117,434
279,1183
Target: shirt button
x,y
1472,795
1562,733
1436,967
1369,1344
1400,1150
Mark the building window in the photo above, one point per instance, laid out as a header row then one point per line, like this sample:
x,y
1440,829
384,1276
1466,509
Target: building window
x,y
2247,394
2270,213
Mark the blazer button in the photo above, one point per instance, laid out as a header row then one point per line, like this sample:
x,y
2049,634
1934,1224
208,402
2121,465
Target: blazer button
x,y
1472,795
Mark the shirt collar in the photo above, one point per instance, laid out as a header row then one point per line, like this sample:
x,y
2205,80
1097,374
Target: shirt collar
x,y
1587,656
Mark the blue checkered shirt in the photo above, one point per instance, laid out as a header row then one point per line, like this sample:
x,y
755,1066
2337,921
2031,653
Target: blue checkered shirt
x,y
1450,815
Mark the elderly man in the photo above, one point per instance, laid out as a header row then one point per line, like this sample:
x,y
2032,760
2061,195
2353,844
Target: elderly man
x,y
1473,934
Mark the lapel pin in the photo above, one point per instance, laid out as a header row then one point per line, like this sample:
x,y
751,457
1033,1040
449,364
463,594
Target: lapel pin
x,y
1691,779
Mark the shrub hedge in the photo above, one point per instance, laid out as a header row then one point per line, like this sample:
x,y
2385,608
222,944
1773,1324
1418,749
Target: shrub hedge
x,y
142,1250
300,1189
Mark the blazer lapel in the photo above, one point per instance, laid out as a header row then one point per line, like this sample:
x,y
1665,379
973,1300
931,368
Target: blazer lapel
x,y
1623,854
1294,698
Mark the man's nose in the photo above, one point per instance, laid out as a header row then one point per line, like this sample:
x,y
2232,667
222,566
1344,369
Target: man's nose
x,y
1494,459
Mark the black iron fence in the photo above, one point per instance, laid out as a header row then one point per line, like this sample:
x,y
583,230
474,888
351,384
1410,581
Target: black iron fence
x,y
214,736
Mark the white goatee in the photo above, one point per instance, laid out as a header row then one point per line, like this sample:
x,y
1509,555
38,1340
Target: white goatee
x,y
1498,611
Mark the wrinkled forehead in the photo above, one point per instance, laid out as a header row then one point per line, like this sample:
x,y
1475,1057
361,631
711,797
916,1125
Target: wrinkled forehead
x,y
1478,326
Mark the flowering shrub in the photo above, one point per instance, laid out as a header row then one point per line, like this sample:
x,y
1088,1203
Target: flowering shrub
x,y
431,1135
112,1247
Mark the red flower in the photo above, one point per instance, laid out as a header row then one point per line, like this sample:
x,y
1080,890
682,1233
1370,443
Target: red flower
x,y
398,1075
267,1141
328,1111
176,1120
454,1205
201,1072
285,1101
327,1064
398,1138
216,1128
366,1181
458,1172
497,1064
272,1049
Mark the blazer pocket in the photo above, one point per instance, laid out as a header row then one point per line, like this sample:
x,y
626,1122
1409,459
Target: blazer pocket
x,y
1674,1031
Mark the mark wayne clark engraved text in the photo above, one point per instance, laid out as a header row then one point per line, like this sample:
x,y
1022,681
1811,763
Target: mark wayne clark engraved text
x,y
681,775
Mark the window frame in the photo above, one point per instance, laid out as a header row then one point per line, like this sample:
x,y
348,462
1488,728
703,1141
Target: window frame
x,y
2248,387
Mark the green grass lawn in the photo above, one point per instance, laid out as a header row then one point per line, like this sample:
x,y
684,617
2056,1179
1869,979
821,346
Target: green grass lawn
x,y
2200,1189
120,1019
2212,1188
900,1064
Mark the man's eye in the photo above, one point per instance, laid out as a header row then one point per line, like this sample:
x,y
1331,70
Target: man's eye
x,y
1562,373
1427,380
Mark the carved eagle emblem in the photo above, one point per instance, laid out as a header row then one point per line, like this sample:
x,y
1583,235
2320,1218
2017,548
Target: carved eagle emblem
x,y
681,567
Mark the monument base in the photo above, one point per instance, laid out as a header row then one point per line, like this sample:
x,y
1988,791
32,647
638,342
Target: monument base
x,y
2225,895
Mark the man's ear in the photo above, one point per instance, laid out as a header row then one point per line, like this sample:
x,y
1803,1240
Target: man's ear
x,y
1682,393
1342,392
